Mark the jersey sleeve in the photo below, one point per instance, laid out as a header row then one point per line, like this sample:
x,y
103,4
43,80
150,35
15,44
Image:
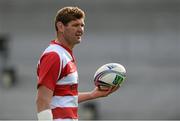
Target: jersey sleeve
x,y
48,70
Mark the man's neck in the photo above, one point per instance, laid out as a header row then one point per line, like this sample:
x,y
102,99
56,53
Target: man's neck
x,y
64,43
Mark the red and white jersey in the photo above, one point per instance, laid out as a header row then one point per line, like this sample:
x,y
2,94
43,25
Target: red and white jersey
x,y
57,71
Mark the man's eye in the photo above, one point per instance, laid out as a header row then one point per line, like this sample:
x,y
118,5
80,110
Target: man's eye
x,y
76,25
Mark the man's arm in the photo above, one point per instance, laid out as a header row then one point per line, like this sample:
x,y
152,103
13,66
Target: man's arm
x,y
96,93
44,96
48,71
43,100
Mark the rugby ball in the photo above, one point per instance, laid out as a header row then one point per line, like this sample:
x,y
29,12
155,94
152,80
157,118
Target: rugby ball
x,y
108,75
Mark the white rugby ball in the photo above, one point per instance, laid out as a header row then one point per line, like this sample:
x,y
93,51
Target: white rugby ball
x,y
108,75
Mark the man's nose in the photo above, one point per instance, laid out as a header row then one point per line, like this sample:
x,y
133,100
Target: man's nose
x,y
81,29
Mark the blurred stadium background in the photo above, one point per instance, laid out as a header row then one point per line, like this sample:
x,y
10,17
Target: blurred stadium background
x,y
142,35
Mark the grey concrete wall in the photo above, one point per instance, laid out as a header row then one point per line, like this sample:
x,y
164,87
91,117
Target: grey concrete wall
x,y
144,36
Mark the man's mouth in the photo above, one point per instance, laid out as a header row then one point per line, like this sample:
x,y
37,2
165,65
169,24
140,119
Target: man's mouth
x,y
79,34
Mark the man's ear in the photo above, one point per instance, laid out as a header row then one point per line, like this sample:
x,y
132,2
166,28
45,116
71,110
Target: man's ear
x,y
60,27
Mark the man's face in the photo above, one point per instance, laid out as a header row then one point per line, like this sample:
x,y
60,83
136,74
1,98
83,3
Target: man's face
x,y
73,31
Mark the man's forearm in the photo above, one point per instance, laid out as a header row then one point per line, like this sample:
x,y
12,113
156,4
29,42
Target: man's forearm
x,y
84,96
96,93
42,105
43,100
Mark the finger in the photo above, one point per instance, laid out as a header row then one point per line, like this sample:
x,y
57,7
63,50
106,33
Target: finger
x,y
115,88
110,90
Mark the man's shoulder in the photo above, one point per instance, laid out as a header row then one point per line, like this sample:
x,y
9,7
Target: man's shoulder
x,y
51,56
55,49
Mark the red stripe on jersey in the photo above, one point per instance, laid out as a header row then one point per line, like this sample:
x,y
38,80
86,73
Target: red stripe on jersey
x,y
70,67
65,112
66,90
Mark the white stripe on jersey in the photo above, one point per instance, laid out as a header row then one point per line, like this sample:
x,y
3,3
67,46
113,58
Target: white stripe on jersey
x,y
64,101
65,119
64,54
71,78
